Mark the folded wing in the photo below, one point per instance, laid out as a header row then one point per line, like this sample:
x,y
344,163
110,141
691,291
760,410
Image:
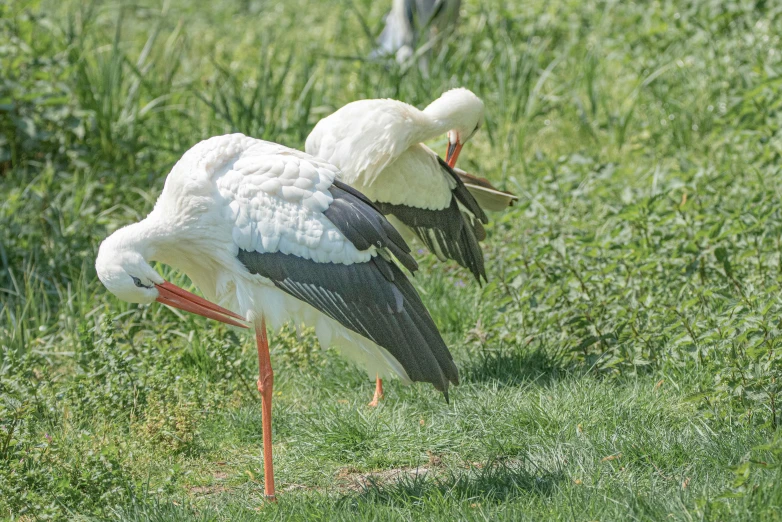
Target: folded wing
x,y
326,244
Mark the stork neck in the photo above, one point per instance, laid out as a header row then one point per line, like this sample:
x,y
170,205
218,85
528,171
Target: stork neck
x,y
146,237
435,125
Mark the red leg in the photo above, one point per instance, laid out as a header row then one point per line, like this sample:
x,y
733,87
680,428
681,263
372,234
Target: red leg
x,y
265,385
378,392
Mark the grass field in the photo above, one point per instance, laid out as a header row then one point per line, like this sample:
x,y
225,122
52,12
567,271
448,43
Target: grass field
x,y
624,361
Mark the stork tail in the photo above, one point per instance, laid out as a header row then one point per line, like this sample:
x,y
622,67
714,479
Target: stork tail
x,y
487,195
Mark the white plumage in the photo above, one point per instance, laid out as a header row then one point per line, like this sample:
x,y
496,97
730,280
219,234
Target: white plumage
x,y
377,144
234,192
414,23
267,231
414,177
366,136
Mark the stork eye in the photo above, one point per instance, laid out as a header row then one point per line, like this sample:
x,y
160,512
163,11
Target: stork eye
x,y
138,282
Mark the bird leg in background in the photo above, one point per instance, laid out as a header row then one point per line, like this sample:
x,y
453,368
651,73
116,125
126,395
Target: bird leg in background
x,y
378,392
265,385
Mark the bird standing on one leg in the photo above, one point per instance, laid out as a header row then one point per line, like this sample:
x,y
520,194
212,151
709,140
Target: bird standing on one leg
x,y
268,232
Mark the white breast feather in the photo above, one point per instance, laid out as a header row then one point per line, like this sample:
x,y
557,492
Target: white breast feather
x,y
414,179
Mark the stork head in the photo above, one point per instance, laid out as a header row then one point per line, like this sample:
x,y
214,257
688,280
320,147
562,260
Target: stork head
x,y
125,272
462,112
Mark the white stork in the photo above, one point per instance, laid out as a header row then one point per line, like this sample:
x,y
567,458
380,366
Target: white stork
x,y
414,23
377,145
267,232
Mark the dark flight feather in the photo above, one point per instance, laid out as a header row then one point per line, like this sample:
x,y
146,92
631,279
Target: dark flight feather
x,y
453,232
449,233
388,311
374,298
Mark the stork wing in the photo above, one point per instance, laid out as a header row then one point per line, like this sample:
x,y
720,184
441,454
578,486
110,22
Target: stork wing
x,y
487,195
373,299
338,259
424,193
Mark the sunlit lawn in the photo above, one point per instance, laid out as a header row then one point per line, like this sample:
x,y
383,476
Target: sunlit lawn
x,y
622,363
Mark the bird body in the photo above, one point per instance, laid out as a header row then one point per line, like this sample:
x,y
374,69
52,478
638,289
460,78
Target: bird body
x,y
377,144
270,232
236,214
382,130
365,136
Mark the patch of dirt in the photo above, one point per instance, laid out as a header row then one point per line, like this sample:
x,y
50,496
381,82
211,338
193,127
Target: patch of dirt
x,y
351,479
434,459
346,472
206,490
297,487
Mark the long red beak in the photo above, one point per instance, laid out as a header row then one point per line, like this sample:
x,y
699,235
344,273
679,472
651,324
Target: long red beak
x,y
172,295
453,153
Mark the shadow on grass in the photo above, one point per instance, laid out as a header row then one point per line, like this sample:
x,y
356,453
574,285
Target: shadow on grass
x,y
497,482
511,366
149,508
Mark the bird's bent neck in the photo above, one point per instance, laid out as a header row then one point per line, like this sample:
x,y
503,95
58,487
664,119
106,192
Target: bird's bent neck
x,y
457,109
436,123
147,237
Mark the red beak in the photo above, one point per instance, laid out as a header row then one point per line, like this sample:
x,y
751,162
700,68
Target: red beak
x,y
172,295
453,153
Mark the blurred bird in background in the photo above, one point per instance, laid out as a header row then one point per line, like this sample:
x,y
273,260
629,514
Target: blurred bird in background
x,y
413,25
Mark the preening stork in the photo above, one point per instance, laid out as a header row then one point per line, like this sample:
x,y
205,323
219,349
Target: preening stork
x,y
269,236
377,145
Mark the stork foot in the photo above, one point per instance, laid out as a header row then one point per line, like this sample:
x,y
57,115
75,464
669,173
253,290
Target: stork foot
x,y
378,393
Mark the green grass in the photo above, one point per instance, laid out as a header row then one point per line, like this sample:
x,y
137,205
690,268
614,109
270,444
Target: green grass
x,y
622,363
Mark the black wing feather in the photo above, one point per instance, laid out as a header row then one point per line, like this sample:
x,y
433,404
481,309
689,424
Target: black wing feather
x,y
463,195
364,224
361,298
450,233
374,299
